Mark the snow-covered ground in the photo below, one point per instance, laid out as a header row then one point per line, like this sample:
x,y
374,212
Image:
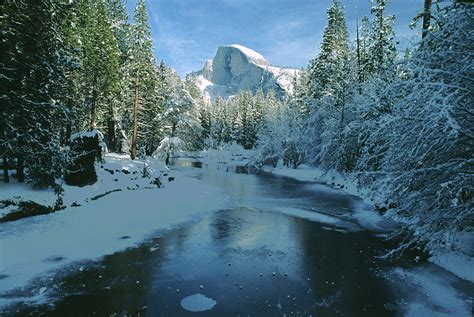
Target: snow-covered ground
x,y
116,173
37,245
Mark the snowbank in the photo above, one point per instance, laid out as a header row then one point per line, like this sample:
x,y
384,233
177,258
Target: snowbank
x,y
21,191
427,291
117,173
303,172
363,213
230,154
459,264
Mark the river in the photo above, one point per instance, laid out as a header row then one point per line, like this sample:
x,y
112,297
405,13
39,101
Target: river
x,y
282,248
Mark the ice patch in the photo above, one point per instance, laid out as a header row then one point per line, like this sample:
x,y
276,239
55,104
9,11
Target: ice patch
x,y
460,265
309,215
197,303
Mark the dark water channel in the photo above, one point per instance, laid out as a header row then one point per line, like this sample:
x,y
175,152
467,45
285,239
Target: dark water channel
x,y
253,259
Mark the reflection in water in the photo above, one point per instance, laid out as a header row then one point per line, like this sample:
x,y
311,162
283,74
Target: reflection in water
x,y
250,260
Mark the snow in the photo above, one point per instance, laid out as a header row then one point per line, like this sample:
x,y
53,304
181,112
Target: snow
x,y
126,174
315,216
85,232
458,264
302,173
363,212
249,53
309,215
284,76
202,82
235,68
368,218
16,191
84,134
427,291
198,303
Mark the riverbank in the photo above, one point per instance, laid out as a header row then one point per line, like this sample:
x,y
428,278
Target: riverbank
x,y
116,173
459,264
91,228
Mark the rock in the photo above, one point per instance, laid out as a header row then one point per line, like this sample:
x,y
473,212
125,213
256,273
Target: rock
x,y
236,68
85,150
156,182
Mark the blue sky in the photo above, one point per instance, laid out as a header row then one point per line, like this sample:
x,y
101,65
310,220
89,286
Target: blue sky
x,y
286,32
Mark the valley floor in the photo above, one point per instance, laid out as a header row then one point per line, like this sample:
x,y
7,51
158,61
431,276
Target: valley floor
x,y
123,209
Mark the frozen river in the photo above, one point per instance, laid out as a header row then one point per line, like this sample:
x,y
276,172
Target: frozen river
x,y
282,248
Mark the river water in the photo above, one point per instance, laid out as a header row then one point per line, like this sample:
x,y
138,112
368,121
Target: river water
x,y
282,248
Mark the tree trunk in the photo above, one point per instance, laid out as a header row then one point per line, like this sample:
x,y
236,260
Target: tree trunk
x,y
111,128
380,51
426,18
6,177
69,105
359,69
94,104
20,174
67,136
133,152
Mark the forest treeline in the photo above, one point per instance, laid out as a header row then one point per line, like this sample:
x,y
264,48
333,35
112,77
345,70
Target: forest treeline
x,y
400,124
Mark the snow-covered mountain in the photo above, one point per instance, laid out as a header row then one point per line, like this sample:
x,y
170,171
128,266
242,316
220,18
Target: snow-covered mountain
x,y
236,67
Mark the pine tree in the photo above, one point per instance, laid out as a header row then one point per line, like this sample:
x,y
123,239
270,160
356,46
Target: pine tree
x,y
431,146
119,102
100,62
202,108
258,109
327,70
180,115
218,121
33,79
142,68
382,50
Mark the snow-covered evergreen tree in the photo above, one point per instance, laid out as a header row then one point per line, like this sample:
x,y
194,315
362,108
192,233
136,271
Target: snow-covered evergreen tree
x,y
33,112
430,154
142,71
327,70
